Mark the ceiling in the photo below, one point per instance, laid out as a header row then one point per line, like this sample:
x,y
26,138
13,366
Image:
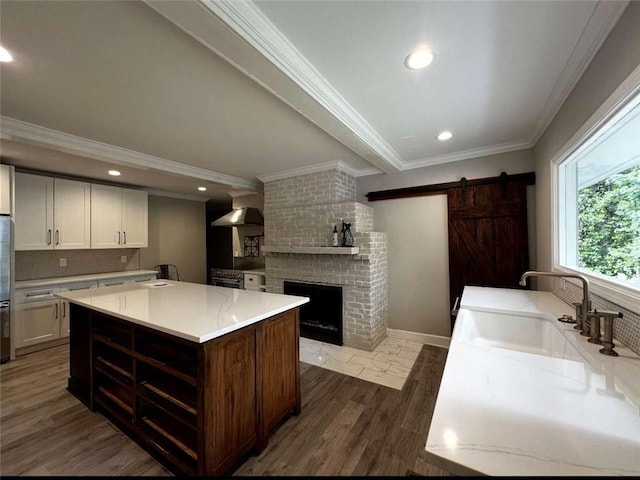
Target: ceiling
x,y
235,91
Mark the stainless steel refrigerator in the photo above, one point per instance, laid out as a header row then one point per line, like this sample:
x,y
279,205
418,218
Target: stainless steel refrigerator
x,y
5,287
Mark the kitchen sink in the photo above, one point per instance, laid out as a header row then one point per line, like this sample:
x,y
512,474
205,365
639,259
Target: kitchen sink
x,y
530,334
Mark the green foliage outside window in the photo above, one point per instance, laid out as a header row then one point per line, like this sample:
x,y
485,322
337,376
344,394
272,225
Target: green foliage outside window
x,y
609,226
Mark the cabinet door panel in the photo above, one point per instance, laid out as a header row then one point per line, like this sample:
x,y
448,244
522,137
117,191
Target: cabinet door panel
x,y
64,318
72,214
106,217
37,322
134,218
278,370
33,212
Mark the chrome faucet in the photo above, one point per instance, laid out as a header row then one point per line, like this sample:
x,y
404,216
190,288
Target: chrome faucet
x,y
581,309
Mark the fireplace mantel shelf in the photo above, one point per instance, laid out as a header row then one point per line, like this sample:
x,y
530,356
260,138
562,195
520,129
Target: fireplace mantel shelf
x,y
311,250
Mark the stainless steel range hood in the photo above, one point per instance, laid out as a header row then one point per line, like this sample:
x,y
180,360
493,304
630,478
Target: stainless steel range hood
x,y
240,216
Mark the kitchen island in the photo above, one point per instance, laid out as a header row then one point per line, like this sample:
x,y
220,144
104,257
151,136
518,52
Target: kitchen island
x,y
197,375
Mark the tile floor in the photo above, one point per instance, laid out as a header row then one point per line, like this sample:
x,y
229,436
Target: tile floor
x,y
389,364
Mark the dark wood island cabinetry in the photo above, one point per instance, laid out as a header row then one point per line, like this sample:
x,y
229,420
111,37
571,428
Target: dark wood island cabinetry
x,y
198,408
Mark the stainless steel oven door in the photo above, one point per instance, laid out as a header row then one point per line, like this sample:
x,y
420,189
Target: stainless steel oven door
x,y
228,282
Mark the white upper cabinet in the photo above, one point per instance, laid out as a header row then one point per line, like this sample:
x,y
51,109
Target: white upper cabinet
x,y
119,217
33,212
51,213
106,217
135,222
54,213
71,214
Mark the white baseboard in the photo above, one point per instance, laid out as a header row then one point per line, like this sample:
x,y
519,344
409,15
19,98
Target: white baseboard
x,y
425,338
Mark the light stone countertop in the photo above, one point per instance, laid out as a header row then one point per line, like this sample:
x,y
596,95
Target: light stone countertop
x,y
188,310
502,411
46,282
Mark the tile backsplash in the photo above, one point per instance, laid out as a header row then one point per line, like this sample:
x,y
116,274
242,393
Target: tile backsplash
x,y
46,263
625,329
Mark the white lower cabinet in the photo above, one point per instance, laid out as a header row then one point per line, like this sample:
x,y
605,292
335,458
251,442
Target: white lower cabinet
x,y
113,281
253,281
64,304
37,322
143,278
40,316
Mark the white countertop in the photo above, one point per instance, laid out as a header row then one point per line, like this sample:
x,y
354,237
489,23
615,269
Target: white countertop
x,y
45,282
502,411
188,310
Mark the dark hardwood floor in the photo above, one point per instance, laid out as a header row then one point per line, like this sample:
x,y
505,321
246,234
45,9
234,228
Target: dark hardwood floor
x,y
347,427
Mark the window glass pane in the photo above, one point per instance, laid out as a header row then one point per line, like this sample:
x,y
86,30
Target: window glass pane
x,y
608,202
609,226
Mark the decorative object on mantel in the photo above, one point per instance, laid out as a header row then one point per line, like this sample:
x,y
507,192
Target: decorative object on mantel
x,y
347,236
252,245
335,236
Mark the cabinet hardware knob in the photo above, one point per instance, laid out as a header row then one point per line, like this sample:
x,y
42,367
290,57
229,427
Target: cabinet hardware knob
x,y
57,237
49,237
56,306
125,237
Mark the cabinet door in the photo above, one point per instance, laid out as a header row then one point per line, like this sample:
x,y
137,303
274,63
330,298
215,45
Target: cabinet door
x,y
106,217
278,369
33,212
64,318
134,218
72,214
37,322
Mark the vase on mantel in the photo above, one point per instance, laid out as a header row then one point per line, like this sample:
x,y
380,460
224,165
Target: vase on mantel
x,y
347,236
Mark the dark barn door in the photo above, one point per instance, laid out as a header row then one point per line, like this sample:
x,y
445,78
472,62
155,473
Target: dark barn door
x,y
488,242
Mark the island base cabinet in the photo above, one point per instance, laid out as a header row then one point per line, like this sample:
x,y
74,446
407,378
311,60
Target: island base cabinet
x,y
278,372
198,408
229,400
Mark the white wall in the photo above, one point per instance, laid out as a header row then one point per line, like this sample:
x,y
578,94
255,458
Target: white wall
x,y
417,263
616,59
177,236
417,237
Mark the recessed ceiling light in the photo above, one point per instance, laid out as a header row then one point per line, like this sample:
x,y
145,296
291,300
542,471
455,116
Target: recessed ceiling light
x,y
202,189
446,135
115,173
420,58
5,56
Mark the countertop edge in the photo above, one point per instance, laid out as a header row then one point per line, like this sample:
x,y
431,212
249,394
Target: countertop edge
x,y
45,282
202,339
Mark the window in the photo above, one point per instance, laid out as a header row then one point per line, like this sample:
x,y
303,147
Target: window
x,y
599,202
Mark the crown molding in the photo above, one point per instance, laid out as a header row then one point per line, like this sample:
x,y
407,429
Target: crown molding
x,y
253,26
13,129
242,193
320,167
602,20
181,196
467,154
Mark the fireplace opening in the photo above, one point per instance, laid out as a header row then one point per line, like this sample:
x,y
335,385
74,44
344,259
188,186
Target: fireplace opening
x,y
321,318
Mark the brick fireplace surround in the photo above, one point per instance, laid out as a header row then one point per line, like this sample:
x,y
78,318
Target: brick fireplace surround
x,y
301,212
